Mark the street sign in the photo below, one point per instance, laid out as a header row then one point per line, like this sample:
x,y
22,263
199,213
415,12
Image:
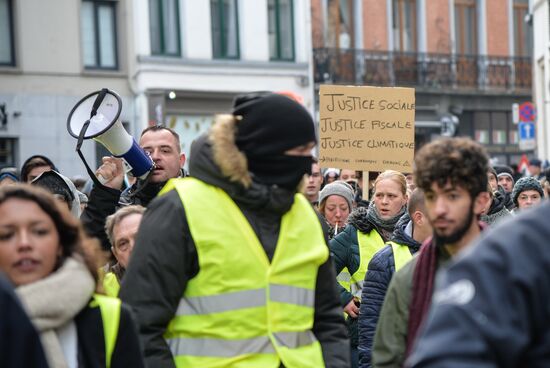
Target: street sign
x,y
527,136
527,112
515,113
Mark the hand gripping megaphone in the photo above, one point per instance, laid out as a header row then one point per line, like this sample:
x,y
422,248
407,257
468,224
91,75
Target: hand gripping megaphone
x,y
96,117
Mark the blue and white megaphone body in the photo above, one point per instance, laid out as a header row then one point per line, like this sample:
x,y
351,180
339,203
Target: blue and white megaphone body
x,y
96,117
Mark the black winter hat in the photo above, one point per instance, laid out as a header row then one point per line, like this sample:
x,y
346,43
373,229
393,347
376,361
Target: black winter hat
x,y
271,124
535,162
526,183
504,170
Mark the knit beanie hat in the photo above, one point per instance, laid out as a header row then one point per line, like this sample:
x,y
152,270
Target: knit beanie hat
x,y
340,188
271,124
524,184
503,170
9,173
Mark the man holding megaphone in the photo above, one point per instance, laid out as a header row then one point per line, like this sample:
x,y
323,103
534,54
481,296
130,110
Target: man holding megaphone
x,y
163,145
155,159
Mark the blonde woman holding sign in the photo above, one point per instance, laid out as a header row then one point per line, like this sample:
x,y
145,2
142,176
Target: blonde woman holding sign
x,y
366,233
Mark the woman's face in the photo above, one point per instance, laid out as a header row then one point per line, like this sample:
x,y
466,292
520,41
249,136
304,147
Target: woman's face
x,y
388,198
29,242
336,210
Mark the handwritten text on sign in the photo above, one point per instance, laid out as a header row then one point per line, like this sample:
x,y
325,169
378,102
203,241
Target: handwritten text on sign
x,y
366,128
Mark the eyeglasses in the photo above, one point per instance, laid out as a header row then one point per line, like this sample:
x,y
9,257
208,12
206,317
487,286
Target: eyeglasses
x,y
315,175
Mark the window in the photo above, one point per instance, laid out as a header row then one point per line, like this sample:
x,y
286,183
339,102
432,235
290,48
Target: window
x,y
482,124
523,32
340,30
7,152
98,28
6,33
466,27
281,29
165,29
225,29
404,25
499,122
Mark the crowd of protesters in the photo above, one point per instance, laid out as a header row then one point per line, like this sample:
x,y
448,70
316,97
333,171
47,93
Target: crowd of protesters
x,y
260,257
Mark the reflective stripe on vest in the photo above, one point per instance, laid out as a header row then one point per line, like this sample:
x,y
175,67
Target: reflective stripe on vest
x,y
344,278
245,299
369,244
110,284
401,255
229,348
241,308
109,308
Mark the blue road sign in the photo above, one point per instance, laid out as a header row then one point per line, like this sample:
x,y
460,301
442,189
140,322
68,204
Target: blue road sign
x,y
527,134
526,130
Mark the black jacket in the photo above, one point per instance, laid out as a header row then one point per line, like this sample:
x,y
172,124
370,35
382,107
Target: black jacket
x,y
19,342
156,280
491,306
91,340
344,248
377,279
104,201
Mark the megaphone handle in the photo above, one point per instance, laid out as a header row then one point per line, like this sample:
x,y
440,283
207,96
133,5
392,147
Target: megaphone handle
x,y
81,135
98,101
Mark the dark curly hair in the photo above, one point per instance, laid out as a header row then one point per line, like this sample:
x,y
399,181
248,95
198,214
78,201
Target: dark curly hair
x,y
461,161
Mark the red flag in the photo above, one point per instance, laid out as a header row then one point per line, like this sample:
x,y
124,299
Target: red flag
x,y
523,166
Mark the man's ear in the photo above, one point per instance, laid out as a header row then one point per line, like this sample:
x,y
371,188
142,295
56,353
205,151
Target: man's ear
x,y
481,202
182,159
418,218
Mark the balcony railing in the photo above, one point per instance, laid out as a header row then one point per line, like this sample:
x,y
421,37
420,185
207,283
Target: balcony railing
x,y
423,70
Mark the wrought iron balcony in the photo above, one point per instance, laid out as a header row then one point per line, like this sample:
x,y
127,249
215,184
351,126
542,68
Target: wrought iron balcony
x,y
448,72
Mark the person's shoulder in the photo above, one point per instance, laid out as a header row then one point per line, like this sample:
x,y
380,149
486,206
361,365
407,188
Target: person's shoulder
x,y
403,277
383,255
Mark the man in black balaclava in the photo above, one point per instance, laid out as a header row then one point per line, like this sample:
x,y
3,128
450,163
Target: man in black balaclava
x,y
236,240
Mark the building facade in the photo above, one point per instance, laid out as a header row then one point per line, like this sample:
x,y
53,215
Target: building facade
x,y
468,60
194,56
173,62
541,74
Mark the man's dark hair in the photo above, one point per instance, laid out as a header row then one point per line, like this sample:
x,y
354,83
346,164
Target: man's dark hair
x,y
158,128
461,161
32,162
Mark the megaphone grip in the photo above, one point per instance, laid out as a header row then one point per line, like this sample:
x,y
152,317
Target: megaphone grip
x,y
139,160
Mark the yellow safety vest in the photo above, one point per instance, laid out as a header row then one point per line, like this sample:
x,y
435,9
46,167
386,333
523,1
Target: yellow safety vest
x,y
110,316
401,255
369,244
111,286
344,278
240,309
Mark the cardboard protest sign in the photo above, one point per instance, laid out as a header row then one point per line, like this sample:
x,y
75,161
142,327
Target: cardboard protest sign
x,y
366,128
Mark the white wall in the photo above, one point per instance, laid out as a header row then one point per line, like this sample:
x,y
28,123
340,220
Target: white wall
x,y
541,75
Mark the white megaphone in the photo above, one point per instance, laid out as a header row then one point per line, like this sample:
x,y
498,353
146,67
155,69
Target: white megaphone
x,y
96,117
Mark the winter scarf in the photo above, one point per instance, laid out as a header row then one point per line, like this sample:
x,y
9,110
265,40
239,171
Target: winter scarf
x,y
497,211
422,286
385,227
54,301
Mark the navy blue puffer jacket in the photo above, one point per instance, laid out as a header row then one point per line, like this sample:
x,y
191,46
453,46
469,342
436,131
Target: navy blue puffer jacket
x,y
380,271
